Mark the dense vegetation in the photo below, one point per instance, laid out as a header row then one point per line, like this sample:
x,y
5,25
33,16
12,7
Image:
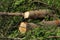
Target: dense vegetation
x,y
9,24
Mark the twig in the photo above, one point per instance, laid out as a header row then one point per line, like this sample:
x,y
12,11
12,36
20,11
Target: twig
x,y
53,37
6,38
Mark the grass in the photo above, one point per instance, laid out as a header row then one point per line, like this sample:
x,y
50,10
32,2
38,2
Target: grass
x,y
7,23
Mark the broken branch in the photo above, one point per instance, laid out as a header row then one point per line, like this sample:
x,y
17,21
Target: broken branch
x,y
11,14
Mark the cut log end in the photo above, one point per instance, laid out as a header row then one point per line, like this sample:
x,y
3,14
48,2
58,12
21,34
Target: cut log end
x,y
26,15
22,27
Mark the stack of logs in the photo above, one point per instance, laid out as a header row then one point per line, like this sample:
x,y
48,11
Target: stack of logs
x,y
42,13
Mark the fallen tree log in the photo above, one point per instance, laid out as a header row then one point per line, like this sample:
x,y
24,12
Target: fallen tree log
x,y
38,13
24,26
